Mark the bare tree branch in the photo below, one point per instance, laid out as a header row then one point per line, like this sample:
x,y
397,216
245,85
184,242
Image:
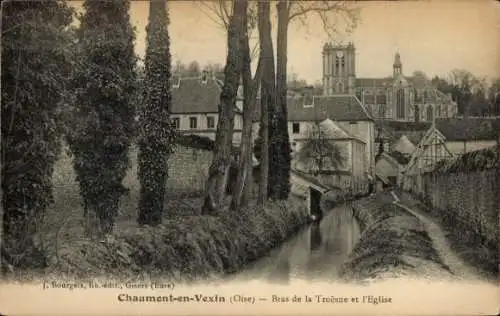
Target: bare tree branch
x,y
328,12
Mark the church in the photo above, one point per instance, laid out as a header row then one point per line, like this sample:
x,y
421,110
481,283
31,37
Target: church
x,y
396,98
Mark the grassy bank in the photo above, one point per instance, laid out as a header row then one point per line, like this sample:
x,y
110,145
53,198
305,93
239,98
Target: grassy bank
x,y
186,246
467,244
393,243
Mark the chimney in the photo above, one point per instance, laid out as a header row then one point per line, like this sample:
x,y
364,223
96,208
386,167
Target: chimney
x,y
308,96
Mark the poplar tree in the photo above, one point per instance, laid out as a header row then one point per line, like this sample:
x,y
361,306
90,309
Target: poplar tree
x,y
157,135
105,86
35,65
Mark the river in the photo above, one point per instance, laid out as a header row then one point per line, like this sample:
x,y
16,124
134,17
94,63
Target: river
x,y
315,253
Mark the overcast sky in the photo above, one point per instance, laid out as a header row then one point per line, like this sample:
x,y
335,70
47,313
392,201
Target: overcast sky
x,y
433,36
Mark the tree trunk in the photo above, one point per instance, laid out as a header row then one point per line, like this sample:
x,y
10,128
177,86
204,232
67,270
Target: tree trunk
x,y
240,194
280,158
268,96
219,169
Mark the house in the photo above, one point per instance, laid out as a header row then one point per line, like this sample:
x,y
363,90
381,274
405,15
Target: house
x,y
345,110
400,136
350,173
404,146
469,134
431,149
195,106
389,167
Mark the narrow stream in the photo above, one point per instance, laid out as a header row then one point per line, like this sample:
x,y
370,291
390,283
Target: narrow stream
x,y
315,253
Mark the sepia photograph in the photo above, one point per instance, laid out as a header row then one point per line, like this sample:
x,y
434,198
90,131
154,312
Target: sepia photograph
x,y
164,157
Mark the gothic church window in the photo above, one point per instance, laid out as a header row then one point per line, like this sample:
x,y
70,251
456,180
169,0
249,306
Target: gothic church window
x,y
429,113
382,110
400,104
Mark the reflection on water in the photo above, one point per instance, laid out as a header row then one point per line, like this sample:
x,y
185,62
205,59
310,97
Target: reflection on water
x,y
315,232
317,252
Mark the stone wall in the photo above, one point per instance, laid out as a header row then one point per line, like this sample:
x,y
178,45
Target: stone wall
x,y
465,193
189,168
470,200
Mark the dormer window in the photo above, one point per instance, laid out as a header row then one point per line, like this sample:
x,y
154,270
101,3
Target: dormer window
x,y
308,99
176,81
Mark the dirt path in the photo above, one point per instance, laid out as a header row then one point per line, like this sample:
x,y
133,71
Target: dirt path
x,y
458,267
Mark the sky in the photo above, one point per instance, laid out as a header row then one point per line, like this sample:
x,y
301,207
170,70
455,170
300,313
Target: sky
x,y
433,36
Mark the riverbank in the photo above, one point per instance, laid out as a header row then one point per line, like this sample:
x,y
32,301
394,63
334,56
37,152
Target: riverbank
x,y
185,248
466,254
393,243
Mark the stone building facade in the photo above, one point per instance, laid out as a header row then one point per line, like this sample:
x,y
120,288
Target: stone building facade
x,y
397,97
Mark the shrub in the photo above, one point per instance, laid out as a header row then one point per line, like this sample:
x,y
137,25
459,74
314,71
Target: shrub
x,y
105,85
35,64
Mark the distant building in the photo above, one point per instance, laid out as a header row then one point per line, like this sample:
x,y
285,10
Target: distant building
x,y
351,173
449,138
397,97
389,167
431,149
470,134
346,111
195,106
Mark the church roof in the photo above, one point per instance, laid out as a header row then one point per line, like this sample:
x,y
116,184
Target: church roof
x,y
336,107
374,82
417,81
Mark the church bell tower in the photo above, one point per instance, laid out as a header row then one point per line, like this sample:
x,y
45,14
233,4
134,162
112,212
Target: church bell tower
x,y
339,72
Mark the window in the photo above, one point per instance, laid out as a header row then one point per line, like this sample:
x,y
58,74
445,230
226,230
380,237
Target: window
x,y
210,122
193,123
176,122
296,128
382,110
400,104
429,113
308,99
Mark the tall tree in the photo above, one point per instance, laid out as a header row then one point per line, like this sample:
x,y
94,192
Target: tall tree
x,y
105,93
35,68
156,131
279,140
250,85
288,11
268,94
218,172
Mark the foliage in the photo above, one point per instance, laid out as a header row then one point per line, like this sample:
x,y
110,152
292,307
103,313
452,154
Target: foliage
x,y
35,64
157,134
105,85
393,242
191,247
472,94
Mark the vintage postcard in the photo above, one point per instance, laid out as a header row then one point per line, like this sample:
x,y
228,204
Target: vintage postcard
x,y
250,157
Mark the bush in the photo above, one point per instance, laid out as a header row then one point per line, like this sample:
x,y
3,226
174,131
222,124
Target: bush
x,y
105,84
